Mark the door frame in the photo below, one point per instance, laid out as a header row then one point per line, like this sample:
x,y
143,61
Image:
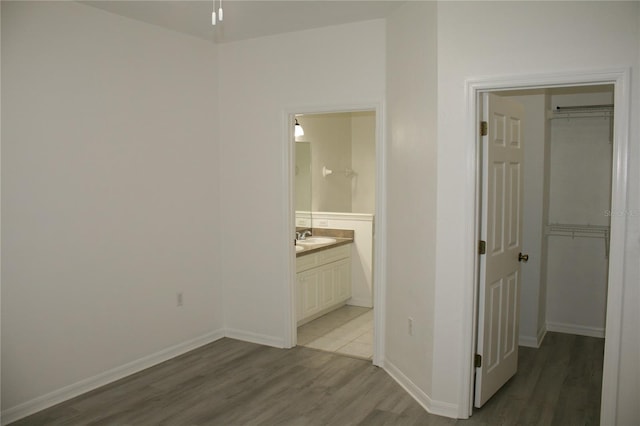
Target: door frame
x,y
379,237
620,78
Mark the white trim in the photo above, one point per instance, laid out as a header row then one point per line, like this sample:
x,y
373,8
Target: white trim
x,y
71,391
533,342
363,303
542,333
288,182
471,262
379,239
580,330
528,341
434,407
251,337
615,281
363,217
445,409
620,77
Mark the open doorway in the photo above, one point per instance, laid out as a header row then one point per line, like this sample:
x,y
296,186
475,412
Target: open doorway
x,y
620,80
334,200
552,194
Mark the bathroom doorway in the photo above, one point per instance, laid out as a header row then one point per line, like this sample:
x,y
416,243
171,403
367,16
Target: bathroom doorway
x,y
334,198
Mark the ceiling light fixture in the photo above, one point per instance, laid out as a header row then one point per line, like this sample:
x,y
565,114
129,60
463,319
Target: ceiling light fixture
x,y
299,131
215,18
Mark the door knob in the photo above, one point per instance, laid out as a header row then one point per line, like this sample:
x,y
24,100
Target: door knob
x,y
523,257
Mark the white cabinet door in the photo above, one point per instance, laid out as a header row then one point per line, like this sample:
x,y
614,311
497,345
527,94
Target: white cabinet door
x,y
308,282
342,279
322,282
327,294
299,297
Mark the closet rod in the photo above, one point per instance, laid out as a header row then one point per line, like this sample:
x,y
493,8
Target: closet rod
x,y
583,107
577,231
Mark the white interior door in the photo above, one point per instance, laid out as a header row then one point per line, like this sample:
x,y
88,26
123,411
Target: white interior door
x,y
501,229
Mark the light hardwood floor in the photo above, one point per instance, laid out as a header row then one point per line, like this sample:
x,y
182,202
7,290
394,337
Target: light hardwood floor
x,y
237,383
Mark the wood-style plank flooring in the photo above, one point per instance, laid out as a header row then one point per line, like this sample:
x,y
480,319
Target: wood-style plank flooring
x,y
231,383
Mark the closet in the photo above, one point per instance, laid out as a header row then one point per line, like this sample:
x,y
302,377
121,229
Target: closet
x,y
567,140
579,200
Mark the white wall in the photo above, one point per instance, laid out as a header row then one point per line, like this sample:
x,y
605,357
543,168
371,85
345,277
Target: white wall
x,y
260,81
109,198
411,198
532,284
580,193
432,48
363,162
522,38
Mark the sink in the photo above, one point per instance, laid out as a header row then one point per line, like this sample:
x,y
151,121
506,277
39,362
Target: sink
x,y
299,248
314,241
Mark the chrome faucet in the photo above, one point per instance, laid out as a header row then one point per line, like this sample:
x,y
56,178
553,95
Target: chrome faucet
x,y
304,234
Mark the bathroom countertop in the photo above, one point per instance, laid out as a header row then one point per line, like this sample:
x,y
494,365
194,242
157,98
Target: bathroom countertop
x,y
342,237
339,242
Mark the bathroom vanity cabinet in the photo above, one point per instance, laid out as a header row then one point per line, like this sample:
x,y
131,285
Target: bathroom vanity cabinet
x,y
323,282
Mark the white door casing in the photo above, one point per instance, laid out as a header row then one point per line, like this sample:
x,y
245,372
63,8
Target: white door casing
x,y
499,283
621,79
379,238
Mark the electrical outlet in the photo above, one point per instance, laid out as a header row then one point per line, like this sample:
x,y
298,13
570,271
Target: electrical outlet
x,y
410,326
179,299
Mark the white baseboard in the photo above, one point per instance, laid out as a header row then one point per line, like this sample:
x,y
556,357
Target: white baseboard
x,y
434,407
575,329
71,391
541,334
364,303
533,342
528,341
445,409
261,339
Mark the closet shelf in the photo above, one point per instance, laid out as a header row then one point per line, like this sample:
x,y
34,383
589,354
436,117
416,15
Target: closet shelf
x,y
579,231
582,111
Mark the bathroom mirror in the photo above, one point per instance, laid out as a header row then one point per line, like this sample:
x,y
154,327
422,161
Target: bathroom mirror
x,y
342,165
303,184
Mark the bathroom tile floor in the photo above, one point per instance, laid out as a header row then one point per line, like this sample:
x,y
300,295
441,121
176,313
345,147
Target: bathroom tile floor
x,y
347,330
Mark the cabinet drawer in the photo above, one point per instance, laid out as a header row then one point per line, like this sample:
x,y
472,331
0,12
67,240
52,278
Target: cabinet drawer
x,y
309,261
306,262
334,254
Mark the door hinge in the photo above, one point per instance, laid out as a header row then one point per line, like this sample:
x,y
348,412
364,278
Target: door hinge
x,y
477,361
482,247
483,128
